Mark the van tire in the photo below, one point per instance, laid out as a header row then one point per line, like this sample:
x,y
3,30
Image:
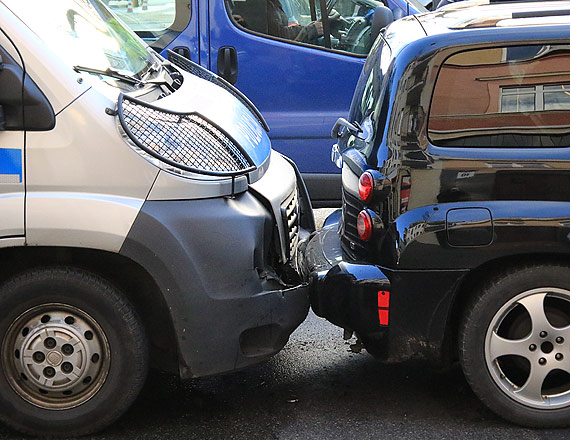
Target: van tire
x,y
505,317
89,372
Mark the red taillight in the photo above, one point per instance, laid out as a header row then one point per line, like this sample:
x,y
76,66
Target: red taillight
x,y
366,186
364,225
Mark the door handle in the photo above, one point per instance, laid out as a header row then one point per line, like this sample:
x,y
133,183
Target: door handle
x,y
228,64
182,51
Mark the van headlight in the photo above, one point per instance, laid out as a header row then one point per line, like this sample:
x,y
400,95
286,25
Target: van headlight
x,y
183,141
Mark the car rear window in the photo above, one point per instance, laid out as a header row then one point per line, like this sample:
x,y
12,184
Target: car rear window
x,y
503,97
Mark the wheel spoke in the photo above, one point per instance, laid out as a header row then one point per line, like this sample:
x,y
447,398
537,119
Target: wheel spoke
x,y
534,304
500,346
48,383
532,389
27,354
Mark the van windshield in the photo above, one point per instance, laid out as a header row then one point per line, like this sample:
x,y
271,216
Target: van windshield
x,y
84,33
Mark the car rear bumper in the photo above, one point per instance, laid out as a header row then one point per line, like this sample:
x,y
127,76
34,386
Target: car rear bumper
x,y
399,314
351,295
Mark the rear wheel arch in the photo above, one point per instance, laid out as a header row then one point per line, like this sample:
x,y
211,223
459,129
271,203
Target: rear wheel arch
x,y
478,277
513,342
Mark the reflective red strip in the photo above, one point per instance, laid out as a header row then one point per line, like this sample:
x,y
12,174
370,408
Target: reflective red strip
x,y
383,316
383,306
383,299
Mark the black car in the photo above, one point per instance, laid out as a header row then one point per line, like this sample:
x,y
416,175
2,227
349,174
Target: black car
x,y
454,238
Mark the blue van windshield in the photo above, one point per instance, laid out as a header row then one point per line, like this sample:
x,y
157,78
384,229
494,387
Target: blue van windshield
x,y
84,33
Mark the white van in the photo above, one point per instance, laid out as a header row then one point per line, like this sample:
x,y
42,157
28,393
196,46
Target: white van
x,y
145,221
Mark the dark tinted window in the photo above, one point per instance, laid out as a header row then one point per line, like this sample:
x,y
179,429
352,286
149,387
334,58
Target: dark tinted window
x,y
300,21
503,97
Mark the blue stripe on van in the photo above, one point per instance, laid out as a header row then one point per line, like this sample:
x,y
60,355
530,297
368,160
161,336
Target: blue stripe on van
x,y
11,162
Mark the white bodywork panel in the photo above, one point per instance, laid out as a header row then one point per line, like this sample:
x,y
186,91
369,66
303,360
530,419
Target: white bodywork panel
x,y
85,185
80,220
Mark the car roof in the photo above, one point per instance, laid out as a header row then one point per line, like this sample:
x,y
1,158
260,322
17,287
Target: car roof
x,y
490,14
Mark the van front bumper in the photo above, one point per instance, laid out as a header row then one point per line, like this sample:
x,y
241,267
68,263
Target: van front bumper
x,y
228,307
352,295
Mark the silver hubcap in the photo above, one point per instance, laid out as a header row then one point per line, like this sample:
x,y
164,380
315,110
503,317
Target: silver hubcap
x,y
527,348
55,356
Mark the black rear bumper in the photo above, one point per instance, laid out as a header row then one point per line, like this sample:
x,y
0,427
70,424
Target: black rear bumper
x,y
351,295
398,314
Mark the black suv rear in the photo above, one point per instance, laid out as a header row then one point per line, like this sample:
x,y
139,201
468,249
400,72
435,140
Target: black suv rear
x,y
454,239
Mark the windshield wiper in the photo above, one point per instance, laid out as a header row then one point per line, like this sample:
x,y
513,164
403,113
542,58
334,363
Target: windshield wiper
x,y
112,73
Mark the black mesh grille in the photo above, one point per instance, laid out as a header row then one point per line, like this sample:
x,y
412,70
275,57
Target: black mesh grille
x,y
352,243
200,72
290,211
187,141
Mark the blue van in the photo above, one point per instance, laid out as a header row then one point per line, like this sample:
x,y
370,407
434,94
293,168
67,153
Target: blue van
x,y
279,55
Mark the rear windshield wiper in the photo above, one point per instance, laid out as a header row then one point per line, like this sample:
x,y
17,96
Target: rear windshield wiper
x,y
112,73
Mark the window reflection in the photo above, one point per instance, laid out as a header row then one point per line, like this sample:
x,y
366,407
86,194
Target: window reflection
x,y
539,97
152,16
503,97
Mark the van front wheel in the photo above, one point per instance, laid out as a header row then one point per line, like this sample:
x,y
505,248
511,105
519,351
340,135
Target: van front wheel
x,y
73,352
514,345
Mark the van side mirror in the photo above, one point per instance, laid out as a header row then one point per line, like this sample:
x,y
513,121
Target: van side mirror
x,y
381,18
23,106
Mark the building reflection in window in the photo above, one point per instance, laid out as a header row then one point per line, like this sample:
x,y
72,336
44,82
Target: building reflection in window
x,y
503,97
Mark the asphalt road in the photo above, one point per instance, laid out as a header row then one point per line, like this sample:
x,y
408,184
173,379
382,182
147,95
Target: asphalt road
x,y
316,388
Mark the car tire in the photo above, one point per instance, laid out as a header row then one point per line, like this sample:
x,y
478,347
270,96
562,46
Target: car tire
x,y
514,345
73,352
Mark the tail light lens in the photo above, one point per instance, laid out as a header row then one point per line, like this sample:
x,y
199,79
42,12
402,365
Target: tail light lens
x,y
364,225
366,186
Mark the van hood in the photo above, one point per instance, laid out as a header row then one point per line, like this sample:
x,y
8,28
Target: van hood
x,y
223,109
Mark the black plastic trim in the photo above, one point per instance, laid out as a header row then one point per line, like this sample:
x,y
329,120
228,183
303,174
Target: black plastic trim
x,y
212,264
324,189
307,220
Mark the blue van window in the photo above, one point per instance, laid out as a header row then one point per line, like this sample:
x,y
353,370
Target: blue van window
x,y
503,97
300,21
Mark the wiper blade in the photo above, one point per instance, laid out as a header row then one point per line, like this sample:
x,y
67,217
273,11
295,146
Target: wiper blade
x,y
110,73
